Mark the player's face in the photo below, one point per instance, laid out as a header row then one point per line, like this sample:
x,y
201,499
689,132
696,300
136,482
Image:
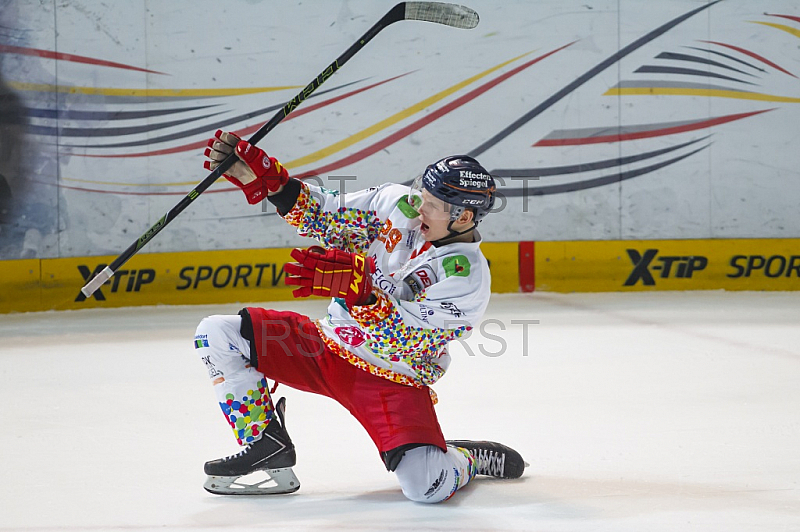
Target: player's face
x,y
434,214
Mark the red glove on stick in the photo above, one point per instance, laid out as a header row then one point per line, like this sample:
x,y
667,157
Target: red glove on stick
x,y
262,174
331,273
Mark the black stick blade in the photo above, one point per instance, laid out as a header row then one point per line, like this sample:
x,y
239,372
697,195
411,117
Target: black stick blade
x,y
448,14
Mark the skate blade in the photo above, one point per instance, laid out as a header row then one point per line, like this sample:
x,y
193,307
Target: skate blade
x,y
277,482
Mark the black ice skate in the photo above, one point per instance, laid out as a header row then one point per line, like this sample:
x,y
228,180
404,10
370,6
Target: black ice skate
x,y
272,455
493,459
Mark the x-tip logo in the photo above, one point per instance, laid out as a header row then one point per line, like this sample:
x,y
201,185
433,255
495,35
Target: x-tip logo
x,y
678,267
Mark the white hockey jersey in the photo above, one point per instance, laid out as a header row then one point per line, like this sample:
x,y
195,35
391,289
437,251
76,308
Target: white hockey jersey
x,y
427,296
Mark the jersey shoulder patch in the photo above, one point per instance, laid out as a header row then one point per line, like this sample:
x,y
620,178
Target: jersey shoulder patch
x,y
420,278
456,265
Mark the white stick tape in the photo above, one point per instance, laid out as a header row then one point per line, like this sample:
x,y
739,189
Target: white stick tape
x,y
97,282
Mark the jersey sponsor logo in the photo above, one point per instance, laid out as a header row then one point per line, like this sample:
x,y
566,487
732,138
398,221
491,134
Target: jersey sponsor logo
x,y
666,266
212,369
200,341
451,308
350,335
436,486
411,238
457,480
380,280
386,285
420,279
425,275
425,313
329,191
457,265
413,284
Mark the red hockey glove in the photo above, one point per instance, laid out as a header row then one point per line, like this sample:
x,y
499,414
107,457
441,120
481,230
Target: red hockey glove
x,y
331,273
256,175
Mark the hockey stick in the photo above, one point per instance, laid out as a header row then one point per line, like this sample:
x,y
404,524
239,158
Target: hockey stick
x,y
440,13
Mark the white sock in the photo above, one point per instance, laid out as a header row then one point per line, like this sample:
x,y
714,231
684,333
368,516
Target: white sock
x,y
241,390
427,474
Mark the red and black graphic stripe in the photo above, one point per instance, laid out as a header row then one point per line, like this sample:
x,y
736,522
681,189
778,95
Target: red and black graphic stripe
x,y
48,54
135,130
575,186
579,137
673,56
581,80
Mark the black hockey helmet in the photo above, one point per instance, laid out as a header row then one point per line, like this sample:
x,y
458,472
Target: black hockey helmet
x,y
463,183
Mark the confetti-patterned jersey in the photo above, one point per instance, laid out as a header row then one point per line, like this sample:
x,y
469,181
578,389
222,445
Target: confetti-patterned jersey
x,y
427,296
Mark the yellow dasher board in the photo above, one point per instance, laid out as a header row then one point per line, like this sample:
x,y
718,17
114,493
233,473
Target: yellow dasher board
x,y
624,265
185,278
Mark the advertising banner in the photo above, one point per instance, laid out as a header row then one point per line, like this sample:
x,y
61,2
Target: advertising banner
x,y
626,265
205,277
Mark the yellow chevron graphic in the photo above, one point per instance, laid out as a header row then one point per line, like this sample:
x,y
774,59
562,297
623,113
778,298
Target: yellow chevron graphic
x,y
714,93
782,27
333,148
388,122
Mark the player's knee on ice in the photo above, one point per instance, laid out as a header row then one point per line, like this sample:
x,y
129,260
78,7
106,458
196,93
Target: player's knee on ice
x,y
427,474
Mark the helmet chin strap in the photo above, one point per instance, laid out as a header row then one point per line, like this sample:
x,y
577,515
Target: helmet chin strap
x,y
452,234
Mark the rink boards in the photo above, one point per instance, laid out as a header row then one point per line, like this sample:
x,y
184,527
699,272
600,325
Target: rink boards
x,y
624,265
256,275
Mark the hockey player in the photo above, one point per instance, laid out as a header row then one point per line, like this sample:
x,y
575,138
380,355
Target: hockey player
x,y
406,274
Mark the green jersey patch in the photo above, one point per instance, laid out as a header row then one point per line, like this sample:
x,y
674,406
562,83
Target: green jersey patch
x,y
457,265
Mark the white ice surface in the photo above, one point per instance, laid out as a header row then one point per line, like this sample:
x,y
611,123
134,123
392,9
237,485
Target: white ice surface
x,y
661,411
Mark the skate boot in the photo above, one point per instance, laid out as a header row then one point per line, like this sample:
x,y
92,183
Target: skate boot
x,y
272,456
493,459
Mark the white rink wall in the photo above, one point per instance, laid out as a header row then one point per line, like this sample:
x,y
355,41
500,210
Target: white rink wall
x,y
633,119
